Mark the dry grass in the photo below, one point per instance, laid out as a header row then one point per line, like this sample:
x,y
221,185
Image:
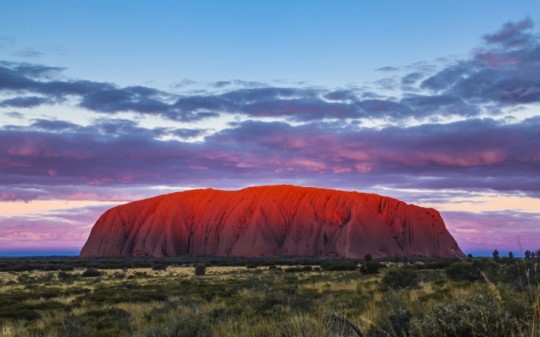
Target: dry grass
x,y
236,301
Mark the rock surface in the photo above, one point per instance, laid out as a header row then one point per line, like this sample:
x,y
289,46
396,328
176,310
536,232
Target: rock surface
x,y
270,221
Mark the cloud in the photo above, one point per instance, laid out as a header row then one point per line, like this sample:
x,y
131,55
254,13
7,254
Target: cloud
x,y
326,144
187,133
239,83
472,154
138,99
29,70
439,105
411,78
183,83
14,114
512,34
486,231
505,71
24,102
53,125
388,69
62,229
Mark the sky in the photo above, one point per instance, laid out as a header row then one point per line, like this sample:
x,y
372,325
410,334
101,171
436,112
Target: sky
x,y
106,102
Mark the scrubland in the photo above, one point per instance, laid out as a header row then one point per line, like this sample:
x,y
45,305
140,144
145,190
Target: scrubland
x,y
269,297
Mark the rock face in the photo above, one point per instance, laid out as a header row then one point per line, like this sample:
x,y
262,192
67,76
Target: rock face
x,y
270,221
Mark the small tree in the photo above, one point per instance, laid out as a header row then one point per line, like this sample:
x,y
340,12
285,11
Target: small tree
x,y
371,267
527,254
200,269
91,272
510,255
368,257
496,255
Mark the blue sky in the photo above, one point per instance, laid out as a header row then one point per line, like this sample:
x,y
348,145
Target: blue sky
x,y
434,103
322,42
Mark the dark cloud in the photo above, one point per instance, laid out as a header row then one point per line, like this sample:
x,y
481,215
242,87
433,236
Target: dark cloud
x,y
439,105
190,106
187,133
30,70
512,34
377,108
39,79
388,69
304,109
221,84
137,99
411,78
24,102
53,125
341,95
123,127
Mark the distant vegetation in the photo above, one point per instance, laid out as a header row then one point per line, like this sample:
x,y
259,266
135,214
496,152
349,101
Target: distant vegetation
x,y
209,296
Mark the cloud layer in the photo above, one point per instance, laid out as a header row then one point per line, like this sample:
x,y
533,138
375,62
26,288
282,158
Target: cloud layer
x,y
442,127
503,71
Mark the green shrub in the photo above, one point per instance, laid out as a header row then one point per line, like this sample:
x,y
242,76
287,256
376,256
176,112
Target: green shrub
x,y
200,269
337,265
119,275
98,323
273,299
371,267
520,274
179,325
298,269
14,308
402,278
91,272
395,319
65,276
463,271
439,264
476,315
125,292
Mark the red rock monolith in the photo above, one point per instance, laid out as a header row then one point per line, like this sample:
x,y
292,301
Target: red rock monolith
x,y
270,221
